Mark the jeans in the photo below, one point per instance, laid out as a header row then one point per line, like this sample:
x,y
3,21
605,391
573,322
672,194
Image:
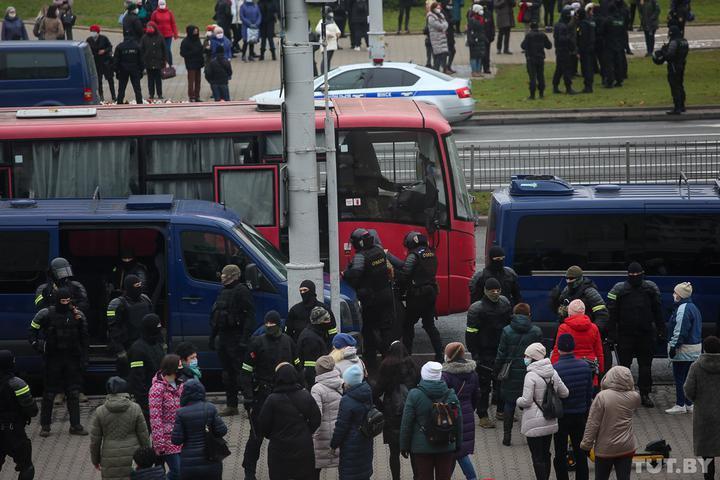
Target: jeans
x,y
650,41
173,464
154,80
572,425
540,453
220,92
622,465
476,64
467,467
680,373
437,466
168,48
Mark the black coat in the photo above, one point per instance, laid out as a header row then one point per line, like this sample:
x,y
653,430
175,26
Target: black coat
x,y
127,57
535,43
154,53
388,394
299,317
223,14
356,450
358,11
132,26
218,71
476,38
100,43
191,50
508,281
311,345
485,323
144,356
153,473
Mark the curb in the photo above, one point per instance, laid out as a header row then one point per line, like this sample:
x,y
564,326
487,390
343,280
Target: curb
x,y
589,116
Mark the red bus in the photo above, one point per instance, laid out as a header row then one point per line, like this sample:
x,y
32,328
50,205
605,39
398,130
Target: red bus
x,y
398,169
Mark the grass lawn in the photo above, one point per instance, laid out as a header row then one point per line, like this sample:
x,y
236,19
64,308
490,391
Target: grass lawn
x,y
481,202
646,87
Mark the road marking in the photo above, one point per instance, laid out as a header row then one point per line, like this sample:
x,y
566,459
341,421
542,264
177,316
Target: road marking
x,y
614,137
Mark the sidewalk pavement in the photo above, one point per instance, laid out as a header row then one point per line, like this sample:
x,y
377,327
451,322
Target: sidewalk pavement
x,y
63,456
255,77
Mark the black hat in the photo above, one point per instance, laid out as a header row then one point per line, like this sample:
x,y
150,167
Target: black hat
x,y
496,251
635,267
7,360
566,343
62,293
492,284
272,317
309,284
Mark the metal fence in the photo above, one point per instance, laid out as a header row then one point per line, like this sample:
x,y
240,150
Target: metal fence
x,y
489,167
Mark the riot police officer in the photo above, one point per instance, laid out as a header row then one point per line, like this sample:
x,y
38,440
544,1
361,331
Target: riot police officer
x,y
586,41
60,275
613,33
564,40
59,333
264,353
495,268
124,316
675,53
636,324
312,343
368,273
17,407
128,265
232,322
419,270
144,357
299,315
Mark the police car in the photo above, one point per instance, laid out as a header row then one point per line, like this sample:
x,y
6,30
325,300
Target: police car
x,y
450,95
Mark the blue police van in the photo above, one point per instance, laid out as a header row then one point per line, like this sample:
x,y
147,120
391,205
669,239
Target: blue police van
x,y
184,245
546,225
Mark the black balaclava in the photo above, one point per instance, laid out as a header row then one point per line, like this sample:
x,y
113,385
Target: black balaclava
x,y
309,297
635,280
151,328
273,317
127,252
7,361
62,293
130,289
492,285
495,265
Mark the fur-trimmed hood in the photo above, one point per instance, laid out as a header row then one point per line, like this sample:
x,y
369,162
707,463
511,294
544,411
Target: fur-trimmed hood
x,y
457,367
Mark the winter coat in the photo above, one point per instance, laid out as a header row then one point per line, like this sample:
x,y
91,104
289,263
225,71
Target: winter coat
x,y
223,14
577,376
417,413
101,42
288,418
327,393
703,388
165,21
299,317
532,12
476,39
191,50
153,473
649,15
117,429
154,52
685,331
251,17
311,345
164,403
358,11
437,28
218,71
356,450
485,322
132,26
346,358
488,14
394,382
462,378
226,44
515,338
51,29
127,57
189,431
588,343
609,425
535,43
13,29
332,34
144,356
537,379
504,15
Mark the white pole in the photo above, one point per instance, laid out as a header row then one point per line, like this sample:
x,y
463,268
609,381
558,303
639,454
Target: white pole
x,y
376,34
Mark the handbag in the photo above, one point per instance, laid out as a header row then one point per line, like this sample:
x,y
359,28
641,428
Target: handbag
x,y
253,35
504,372
216,448
167,72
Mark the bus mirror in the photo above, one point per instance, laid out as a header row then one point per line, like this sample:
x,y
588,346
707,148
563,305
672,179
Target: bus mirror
x,y
252,276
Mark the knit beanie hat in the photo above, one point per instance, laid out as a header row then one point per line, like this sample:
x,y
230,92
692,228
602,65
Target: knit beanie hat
x,y
454,350
324,364
576,307
492,284
272,317
431,371
536,351
95,28
683,290
566,343
353,376
319,315
342,340
574,272
116,385
635,267
496,251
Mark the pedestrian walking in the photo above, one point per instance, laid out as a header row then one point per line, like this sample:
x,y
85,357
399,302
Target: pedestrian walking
x,y
344,353
636,324
433,456
13,27
51,27
101,49
164,19
358,11
217,40
191,50
459,375
437,28
124,319
649,22
327,393
702,387
189,360
145,356
356,449
195,419
486,320
505,21
684,344
404,7
148,466
128,65
117,430
131,24
535,426
565,50
675,53
164,401
155,58
17,408
577,375
534,45
232,320
251,20
397,375
288,420
59,333
299,314
476,39
609,428
586,337
495,268
515,339
332,36
269,14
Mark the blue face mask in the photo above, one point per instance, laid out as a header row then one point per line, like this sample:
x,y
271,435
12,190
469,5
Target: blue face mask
x,y
527,361
193,363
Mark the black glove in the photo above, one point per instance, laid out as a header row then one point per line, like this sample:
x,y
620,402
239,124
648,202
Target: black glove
x,y
673,352
405,453
211,343
39,346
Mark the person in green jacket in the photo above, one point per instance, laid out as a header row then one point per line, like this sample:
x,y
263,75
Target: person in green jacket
x,y
429,457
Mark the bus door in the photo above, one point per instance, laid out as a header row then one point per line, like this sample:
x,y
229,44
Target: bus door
x,y
5,182
257,193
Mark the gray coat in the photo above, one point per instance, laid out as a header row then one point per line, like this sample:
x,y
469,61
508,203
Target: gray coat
x,y
703,388
327,393
437,28
504,15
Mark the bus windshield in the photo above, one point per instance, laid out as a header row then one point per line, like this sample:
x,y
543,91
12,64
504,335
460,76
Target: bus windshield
x,y
262,248
463,210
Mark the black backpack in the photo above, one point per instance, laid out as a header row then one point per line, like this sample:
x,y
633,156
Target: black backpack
x,y
373,423
552,406
441,426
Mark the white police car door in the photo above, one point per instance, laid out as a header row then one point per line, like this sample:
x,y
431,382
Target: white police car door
x,y
388,82
347,84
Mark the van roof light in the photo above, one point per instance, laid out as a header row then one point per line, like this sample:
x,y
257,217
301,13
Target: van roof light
x,y
23,203
56,112
608,188
149,202
527,185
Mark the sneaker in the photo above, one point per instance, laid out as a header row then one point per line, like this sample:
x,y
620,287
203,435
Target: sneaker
x,y
689,408
357,49
78,430
486,422
45,431
229,412
676,410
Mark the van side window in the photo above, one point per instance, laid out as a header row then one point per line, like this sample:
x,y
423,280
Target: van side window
x,y
23,260
205,254
32,65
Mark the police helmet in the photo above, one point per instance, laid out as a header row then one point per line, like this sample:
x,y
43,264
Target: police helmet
x,y
60,268
361,239
566,12
415,239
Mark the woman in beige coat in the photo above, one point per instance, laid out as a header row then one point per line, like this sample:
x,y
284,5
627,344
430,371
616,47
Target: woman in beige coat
x,y
51,27
609,426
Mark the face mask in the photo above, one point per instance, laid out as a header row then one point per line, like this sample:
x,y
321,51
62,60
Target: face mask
x,y
527,361
492,295
496,265
12,16
62,307
635,280
307,297
134,292
438,11
193,363
273,330
219,35
94,34
574,284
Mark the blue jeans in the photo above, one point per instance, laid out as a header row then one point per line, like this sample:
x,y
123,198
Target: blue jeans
x,y
220,92
509,408
476,64
173,464
467,467
168,47
680,372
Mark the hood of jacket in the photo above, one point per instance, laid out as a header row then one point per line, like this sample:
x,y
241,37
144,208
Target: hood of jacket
x,y
435,389
152,24
361,393
458,367
189,32
286,379
193,391
520,323
579,322
543,368
117,402
710,362
331,379
350,353
618,378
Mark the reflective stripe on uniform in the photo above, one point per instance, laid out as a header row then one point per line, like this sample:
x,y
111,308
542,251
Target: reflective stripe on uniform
x,y
296,361
471,330
598,308
35,325
612,296
332,331
110,313
247,368
308,363
38,299
136,364
22,391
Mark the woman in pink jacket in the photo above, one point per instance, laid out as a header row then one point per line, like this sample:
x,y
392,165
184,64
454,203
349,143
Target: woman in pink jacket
x,y
165,21
164,400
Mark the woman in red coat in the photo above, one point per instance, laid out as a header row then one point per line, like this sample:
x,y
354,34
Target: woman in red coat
x,y
165,21
588,343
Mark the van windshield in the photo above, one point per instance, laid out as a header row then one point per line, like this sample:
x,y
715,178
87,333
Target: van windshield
x,y
263,249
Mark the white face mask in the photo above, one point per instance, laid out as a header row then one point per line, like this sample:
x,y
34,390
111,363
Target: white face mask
x,y
12,16
94,34
438,11
219,35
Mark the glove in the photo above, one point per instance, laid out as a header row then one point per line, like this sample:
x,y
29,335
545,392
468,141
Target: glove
x,y
211,344
405,453
673,352
122,355
39,346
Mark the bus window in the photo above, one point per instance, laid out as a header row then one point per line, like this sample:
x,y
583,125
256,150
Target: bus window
x,y
75,168
23,260
463,210
391,176
274,144
205,254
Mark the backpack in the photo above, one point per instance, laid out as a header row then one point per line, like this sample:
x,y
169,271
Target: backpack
x,y
396,401
441,427
373,423
36,27
552,407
